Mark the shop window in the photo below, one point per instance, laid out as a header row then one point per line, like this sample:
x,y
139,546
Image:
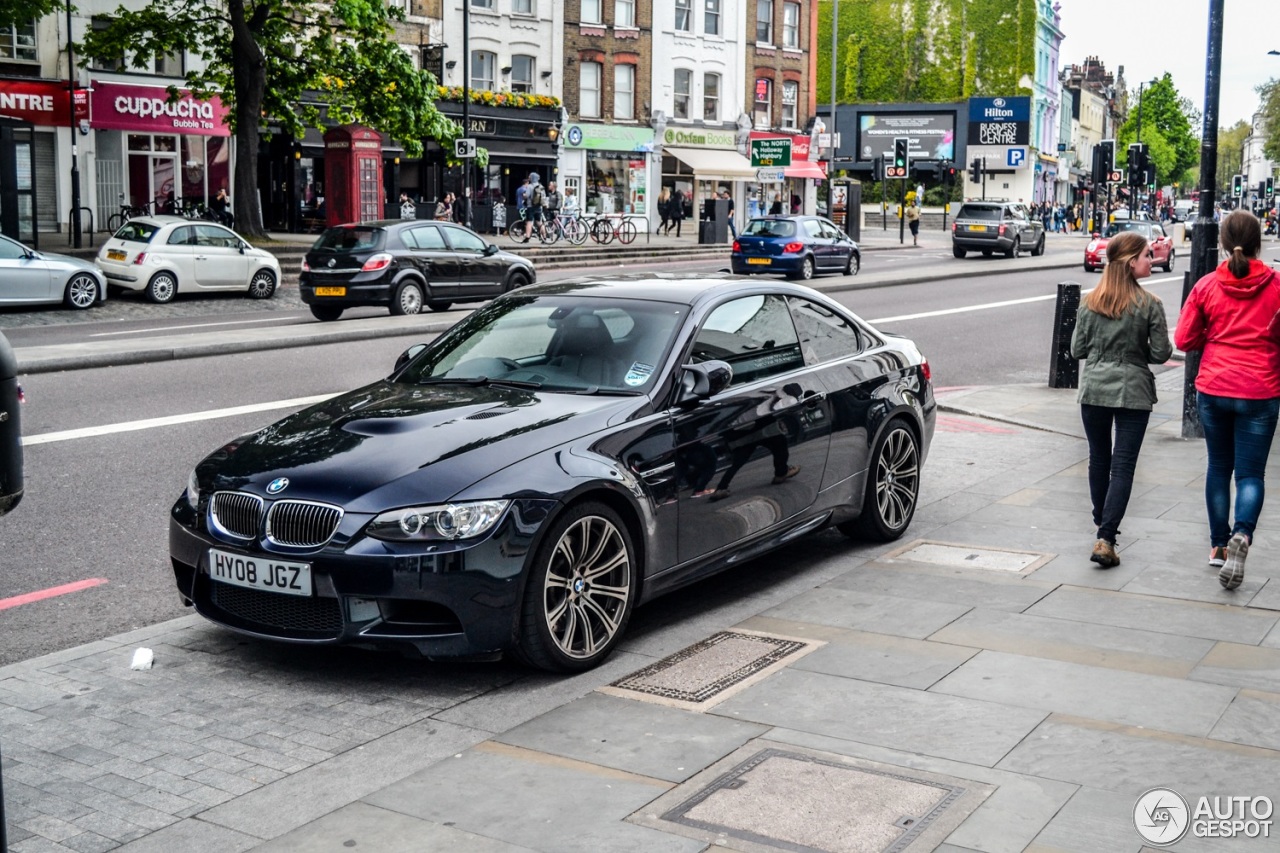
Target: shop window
x,y
624,92
483,67
616,183
683,81
711,97
764,95
791,25
114,63
522,7
169,65
712,19
589,90
790,94
684,16
764,21
624,13
592,12
522,73
18,41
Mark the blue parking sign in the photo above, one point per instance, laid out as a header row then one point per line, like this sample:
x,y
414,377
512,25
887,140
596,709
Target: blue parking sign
x,y
1016,156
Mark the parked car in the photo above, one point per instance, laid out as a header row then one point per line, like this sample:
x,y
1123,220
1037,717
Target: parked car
x,y
565,453
1184,209
1162,252
795,246
165,255
995,226
405,265
28,277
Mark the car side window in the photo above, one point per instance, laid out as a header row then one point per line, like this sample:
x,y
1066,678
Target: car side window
x,y
427,238
463,241
211,235
11,251
754,334
182,236
824,334
812,228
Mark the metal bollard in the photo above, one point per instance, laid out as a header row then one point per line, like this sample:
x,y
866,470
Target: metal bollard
x,y
1064,371
1191,426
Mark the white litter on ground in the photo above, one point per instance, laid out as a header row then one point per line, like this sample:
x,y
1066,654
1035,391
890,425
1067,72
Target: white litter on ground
x,y
142,659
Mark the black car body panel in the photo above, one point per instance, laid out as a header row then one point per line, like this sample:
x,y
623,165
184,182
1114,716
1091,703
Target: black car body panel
x,y
643,453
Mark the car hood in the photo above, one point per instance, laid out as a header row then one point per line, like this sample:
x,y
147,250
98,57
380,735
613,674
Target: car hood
x,y
67,260
389,444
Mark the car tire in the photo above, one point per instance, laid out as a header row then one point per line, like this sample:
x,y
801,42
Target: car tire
x,y
439,305
326,313
262,285
893,487
958,252
1168,265
1039,249
1088,268
986,253
806,269
517,280
854,264
407,299
162,288
1015,250
581,545
81,292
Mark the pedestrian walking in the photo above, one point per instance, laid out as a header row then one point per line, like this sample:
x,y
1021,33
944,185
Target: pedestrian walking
x,y
775,209
1231,315
676,214
1120,331
733,228
664,210
462,208
536,197
444,208
913,222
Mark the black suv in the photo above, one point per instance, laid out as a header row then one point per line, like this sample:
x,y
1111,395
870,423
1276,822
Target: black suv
x,y
996,226
406,265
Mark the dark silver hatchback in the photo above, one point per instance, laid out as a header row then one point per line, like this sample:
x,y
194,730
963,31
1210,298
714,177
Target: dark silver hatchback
x,y
996,226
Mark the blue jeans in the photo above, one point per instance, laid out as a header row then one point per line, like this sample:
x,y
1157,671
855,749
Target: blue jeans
x,y
1238,435
1111,467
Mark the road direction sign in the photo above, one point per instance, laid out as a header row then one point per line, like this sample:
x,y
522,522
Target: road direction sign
x,y
770,176
771,152
464,148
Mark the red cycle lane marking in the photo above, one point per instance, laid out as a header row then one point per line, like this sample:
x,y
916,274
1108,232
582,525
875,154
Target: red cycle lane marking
x,y
40,595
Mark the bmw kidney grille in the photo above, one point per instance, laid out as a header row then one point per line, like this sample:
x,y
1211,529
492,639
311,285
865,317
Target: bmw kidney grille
x,y
237,514
302,524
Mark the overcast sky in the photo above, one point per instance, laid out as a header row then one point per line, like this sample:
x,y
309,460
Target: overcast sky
x,y
1150,38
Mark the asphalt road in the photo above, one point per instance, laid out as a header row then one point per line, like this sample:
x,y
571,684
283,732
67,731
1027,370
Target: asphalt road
x,y
96,504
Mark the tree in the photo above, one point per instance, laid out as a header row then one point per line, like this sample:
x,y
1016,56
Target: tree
x,y
19,12
1168,113
1230,143
261,56
1270,94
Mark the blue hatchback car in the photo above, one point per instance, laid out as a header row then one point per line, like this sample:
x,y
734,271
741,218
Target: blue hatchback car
x,y
795,246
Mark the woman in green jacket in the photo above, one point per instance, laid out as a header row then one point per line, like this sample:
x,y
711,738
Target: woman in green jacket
x,y
1120,330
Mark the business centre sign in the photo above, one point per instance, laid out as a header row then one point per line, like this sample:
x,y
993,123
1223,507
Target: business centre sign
x,y
1000,121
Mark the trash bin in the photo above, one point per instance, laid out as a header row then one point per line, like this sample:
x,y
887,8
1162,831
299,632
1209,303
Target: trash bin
x,y
714,226
10,430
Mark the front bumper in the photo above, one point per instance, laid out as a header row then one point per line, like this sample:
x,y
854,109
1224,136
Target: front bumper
x,y
445,599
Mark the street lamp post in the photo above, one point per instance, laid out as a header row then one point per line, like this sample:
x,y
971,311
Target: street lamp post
x,y
835,125
75,166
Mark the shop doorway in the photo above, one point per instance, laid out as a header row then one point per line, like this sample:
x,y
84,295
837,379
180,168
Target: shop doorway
x,y
153,172
18,208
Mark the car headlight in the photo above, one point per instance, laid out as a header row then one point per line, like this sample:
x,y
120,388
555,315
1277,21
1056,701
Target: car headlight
x,y
193,490
434,523
1093,246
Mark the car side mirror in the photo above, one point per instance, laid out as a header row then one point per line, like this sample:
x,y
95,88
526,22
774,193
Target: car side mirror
x,y
490,249
703,381
407,356
243,246
1097,234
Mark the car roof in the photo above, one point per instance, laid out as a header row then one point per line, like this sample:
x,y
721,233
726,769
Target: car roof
x,y
679,288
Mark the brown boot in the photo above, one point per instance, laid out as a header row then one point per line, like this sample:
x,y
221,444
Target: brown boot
x,y
1104,554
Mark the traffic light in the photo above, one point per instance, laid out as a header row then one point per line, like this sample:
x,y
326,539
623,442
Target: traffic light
x,y
1271,188
1237,185
1106,151
1151,175
1262,189
901,145
949,173
877,169
1138,163
975,170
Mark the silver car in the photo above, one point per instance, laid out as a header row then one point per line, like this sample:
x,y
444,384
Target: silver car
x,y
162,255
28,277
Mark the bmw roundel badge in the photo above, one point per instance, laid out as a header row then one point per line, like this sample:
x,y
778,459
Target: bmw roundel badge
x,y
278,485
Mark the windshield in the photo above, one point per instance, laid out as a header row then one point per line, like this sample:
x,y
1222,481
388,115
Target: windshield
x,y
575,344
1117,227
770,228
350,238
970,211
137,232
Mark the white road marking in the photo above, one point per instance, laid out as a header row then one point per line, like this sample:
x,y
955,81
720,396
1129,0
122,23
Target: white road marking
x,y
170,420
176,328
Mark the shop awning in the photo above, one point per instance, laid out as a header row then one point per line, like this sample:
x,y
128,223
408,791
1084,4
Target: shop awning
x,y
714,164
805,169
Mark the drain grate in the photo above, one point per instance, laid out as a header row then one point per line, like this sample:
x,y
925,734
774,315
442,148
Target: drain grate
x,y
710,671
801,800
958,556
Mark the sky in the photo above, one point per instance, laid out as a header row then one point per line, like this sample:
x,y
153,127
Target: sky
x,y
1150,38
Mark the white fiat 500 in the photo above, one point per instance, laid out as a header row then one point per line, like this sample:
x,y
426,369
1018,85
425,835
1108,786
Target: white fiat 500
x,y
162,255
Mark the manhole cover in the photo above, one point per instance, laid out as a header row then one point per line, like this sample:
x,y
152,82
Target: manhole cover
x,y
710,671
958,556
801,800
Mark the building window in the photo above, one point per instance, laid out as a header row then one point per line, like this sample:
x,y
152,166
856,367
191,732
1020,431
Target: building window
x,y
790,94
18,41
483,67
624,13
711,97
522,73
791,25
712,17
684,16
764,94
114,64
764,21
522,7
589,90
481,4
684,78
624,92
592,12
169,65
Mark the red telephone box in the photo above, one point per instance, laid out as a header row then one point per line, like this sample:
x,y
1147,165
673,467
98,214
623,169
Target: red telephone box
x,y
352,174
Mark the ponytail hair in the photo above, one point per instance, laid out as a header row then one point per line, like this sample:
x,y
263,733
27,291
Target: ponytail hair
x,y
1241,238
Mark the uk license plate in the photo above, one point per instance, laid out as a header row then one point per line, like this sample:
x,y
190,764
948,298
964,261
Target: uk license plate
x,y
331,291
761,261
264,573
115,255
977,228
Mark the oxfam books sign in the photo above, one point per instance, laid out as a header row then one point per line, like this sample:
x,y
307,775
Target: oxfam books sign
x,y
1000,121
700,138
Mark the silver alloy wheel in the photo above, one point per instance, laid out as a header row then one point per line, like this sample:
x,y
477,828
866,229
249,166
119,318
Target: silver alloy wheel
x,y
806,268
82,291
410,299
897,478
163,288
587,587
262,285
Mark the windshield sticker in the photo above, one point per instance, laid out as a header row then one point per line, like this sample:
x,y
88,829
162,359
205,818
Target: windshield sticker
x,y
638,374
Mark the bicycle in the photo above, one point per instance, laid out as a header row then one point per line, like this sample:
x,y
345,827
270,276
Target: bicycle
x,y
127,212
568,228
546,235
611,226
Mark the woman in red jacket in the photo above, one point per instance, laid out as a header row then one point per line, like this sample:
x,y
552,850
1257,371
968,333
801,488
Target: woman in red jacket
x,y
1231,315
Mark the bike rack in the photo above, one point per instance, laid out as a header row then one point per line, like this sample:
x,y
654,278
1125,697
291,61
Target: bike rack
x,y
71,224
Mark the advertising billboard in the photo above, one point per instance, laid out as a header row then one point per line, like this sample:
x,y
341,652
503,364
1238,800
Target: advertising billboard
x,y
1000,121
932,135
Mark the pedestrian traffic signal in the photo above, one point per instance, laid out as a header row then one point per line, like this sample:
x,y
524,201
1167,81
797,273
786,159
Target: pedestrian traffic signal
x,y
1237,185
975,170
877,169
901,145
949,173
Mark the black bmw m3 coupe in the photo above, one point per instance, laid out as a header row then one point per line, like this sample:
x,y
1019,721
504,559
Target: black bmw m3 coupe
x,y
562,455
